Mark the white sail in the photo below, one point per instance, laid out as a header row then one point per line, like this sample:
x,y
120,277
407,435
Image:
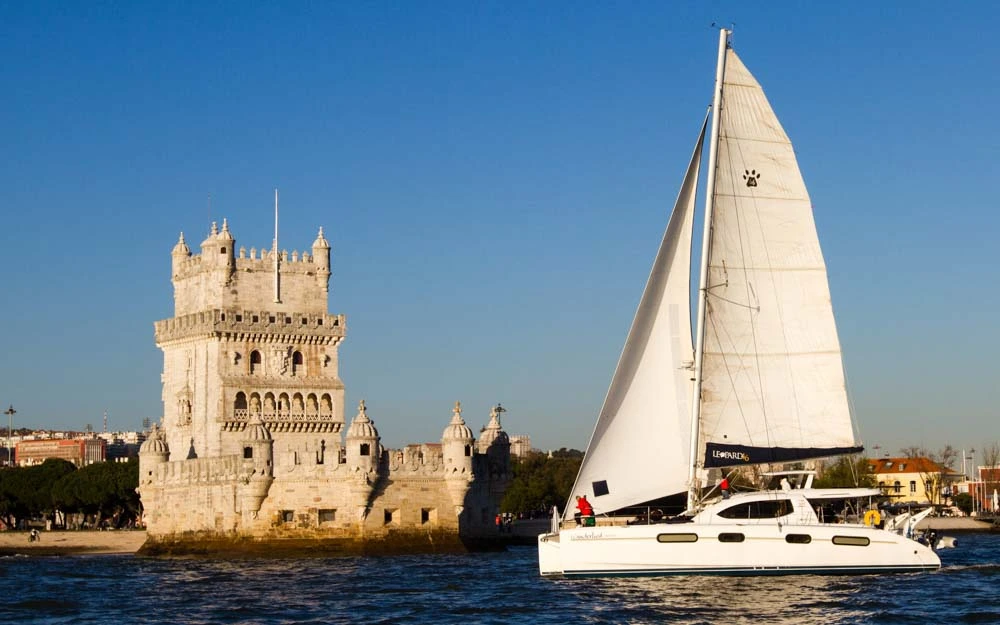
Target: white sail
x,y
773,383
639,448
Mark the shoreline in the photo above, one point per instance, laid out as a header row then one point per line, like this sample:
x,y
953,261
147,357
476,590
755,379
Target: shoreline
x,y
72,542
129,542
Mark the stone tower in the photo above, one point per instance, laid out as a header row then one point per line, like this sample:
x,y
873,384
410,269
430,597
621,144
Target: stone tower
x,y
250,339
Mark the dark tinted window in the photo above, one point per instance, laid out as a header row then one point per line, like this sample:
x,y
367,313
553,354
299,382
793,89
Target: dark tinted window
x,y
733,537
758,510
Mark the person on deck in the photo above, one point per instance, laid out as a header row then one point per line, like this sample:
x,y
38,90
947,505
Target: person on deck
x,y
586,510
724,487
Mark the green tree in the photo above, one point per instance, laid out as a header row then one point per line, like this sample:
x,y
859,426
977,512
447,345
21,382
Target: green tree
x,y
540,482
846,472
105,489
26,492
963,501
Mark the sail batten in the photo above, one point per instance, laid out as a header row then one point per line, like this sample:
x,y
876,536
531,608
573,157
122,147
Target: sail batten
x,y
639,448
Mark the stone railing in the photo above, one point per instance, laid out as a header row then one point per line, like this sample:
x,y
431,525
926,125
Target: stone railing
x,y
217,321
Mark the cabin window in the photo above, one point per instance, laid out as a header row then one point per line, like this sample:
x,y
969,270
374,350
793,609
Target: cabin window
x,y
677,538
798,539
247,453
731,537
855,541
327,516
768,509
600,488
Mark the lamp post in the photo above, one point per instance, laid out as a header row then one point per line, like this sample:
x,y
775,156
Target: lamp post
x,y
10,412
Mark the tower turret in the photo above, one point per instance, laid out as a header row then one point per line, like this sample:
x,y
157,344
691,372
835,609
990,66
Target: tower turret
x,y
321,258
495,443
363,454
456,443
363,450
180,253
153,452
257,472
217,251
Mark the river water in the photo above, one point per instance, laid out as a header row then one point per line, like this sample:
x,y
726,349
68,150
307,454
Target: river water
x,y
479,588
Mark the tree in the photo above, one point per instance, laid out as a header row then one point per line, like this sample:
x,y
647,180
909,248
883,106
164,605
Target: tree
x,y
105,489
963,501
846,471
540,482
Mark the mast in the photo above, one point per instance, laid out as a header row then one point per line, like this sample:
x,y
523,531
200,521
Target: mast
x,y
277,279
713,151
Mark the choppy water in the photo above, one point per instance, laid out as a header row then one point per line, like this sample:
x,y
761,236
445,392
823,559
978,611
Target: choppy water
x,y
479,588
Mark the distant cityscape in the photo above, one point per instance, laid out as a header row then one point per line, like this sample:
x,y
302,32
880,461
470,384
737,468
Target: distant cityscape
x,y
27,447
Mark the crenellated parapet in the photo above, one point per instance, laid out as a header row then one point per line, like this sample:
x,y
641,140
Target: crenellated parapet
x,y
261,326
198,471
425,460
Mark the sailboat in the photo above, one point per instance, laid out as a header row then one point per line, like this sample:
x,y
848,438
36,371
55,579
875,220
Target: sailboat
x,y
759,381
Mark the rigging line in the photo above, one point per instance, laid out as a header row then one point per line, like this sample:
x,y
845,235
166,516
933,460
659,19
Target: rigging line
x,y
737,353
734,302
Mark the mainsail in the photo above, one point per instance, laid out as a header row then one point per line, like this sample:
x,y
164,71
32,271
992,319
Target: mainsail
x,y
773,385
639,448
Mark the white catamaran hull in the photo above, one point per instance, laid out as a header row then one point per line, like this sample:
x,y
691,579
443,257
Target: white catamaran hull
x,y
729,549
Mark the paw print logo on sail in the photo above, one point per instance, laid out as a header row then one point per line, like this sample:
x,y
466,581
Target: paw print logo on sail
x,y
751,176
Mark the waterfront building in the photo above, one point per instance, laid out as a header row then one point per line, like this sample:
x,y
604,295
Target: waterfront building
x,y
79,451
253,443
913,480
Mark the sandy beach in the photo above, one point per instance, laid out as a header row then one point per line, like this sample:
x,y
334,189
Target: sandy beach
x,y
72,543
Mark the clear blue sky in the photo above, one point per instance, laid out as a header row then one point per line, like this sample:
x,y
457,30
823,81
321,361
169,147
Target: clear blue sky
x,y
494,179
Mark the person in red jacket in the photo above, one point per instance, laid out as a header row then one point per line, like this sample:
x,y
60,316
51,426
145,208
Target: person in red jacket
x,y
586,510
724,487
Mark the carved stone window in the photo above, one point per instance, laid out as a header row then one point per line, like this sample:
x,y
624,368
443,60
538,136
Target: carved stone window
x,y
255,362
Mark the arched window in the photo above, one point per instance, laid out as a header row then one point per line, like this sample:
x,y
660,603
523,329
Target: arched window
x,y
298,407
255,403
240,405
255,362
297,367
312,406
326,405
284,405
269,404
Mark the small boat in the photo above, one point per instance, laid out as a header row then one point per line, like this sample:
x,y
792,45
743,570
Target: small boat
x,y
759,381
